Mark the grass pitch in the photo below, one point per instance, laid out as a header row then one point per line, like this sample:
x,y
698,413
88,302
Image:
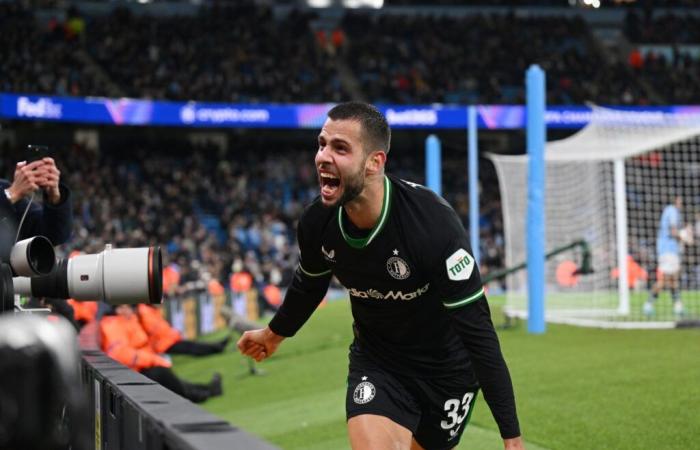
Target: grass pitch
x,y
576,388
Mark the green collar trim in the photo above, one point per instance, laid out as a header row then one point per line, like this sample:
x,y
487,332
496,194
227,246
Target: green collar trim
x,y
365,241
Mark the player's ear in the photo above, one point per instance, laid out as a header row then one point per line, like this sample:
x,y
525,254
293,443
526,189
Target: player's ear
x,y
375,162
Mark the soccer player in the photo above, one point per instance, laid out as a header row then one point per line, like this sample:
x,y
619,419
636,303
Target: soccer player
x,y
668,252
424,341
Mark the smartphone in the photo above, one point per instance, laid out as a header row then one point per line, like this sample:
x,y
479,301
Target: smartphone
x,y
36,152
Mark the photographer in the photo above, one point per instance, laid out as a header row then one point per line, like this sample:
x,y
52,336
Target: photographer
x,y
53,219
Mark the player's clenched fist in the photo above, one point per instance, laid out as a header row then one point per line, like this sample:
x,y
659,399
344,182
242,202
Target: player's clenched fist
x,y
259,344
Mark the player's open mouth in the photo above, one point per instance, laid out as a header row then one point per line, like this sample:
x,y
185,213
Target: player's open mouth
x,y
330,183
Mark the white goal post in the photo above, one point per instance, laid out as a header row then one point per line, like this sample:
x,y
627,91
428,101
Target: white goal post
x,y
608,184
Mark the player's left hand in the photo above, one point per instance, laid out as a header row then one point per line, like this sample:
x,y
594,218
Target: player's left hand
x,y
514,443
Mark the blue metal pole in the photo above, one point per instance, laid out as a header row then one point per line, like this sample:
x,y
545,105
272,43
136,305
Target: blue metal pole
x,y
536,137
433,164
473,163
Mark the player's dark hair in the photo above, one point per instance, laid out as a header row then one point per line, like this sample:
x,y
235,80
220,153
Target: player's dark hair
x,y
375,128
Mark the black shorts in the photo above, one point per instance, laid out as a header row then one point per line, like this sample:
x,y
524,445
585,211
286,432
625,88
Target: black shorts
x,y
436,410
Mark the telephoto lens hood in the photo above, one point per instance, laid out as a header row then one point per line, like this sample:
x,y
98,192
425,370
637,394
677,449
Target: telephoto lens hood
x,y
32,257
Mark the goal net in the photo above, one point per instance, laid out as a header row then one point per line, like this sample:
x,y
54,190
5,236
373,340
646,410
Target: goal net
x,y
608,184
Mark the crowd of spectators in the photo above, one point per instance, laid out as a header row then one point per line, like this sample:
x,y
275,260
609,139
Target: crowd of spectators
x,y
666,53
482,59
239,53
246,52
43,58
664,28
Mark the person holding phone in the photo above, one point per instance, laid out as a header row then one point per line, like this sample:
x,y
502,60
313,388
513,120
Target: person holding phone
x,y
23,214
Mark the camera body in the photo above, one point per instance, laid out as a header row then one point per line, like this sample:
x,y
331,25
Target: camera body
x,y
43,402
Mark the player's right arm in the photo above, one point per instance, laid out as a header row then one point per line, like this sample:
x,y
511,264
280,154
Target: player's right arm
x,y
308,287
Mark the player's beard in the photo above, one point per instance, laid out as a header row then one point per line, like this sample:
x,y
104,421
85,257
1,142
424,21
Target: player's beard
x,y
353,185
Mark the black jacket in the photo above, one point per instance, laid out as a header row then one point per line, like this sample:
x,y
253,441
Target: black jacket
x,y
52,221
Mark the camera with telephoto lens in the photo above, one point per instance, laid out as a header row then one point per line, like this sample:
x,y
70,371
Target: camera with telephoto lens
x,y
43,405
114,276
42,400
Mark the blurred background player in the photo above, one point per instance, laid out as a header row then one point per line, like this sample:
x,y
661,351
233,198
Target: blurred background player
x,y
668,253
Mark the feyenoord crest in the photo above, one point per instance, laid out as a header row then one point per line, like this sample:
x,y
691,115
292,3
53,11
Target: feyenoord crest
x,y
397,267
364,392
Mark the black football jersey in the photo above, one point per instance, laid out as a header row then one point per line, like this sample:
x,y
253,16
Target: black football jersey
x,y
403,276
417,301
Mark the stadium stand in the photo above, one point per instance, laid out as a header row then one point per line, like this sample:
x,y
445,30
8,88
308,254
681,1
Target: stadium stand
x,y
449,63
247,53
43,57
239,53
665,53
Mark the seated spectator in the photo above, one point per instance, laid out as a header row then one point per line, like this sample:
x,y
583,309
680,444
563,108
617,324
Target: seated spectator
x,y
164,338
124,340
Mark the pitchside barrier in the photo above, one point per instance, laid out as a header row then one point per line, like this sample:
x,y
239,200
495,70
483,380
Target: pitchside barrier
x,y
198,312
129,411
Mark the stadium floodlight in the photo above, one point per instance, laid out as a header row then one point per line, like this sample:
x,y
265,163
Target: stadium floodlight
x,y
608,184
319,3
377,4
587,3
